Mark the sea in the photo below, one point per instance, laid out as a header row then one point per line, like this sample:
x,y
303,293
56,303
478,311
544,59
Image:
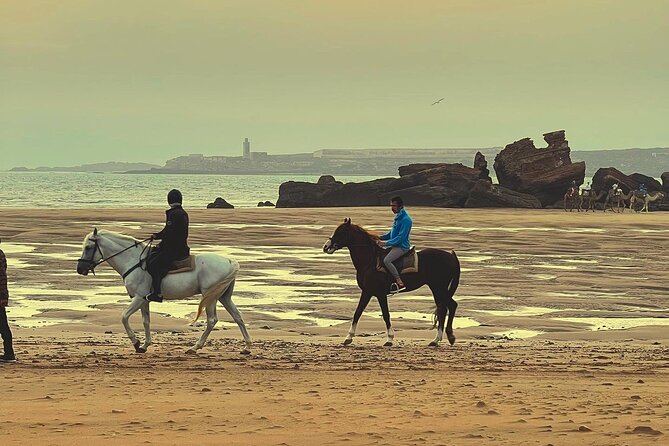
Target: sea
x,y
116,190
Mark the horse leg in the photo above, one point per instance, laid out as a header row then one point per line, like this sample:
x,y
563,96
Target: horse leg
x,y
452,306
135,305
362,304
146,320
226,300
390,333
212,320
440,316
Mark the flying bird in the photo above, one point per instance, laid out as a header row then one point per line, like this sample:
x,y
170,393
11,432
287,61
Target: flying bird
x,y
436,102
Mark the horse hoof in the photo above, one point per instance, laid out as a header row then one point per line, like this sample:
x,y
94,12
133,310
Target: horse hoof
x,y
433,344
388,344
191,351
138,349
348,341
451,339
246,351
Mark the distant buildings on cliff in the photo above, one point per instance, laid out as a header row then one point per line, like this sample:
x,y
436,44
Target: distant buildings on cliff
x,y
332,161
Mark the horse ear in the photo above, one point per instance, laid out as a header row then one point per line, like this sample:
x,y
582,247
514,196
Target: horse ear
x,y
95,231
347,221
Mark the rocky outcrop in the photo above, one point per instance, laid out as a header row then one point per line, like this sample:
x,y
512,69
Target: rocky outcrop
x,y
545,173
328,192
652,185
265,204
605,177
481,165
220,203
438,185
486,195
665,181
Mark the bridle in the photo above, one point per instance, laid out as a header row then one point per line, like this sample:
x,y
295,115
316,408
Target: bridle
x,y
91,264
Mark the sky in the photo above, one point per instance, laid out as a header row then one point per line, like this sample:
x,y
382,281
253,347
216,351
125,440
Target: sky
x,y
85,81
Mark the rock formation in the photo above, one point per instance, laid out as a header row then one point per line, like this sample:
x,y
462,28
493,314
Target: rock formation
x,y
265,204
545,173
439,185
486,195
652,185
665,181
220,203
605,177
481,164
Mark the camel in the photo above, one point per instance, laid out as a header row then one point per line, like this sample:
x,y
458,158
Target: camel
x,y
572,200
649,198
591,199
620,199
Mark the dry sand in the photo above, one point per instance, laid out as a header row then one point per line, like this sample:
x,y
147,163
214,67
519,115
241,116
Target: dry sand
x,y
562,336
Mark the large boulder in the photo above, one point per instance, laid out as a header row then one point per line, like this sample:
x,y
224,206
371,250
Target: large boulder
x,y
367,193
302,194
652,185
605,177
486,195
220,203
439,185
481,164
545,173
665,181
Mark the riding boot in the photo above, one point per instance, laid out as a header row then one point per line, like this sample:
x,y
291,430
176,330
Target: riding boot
x,y
156,295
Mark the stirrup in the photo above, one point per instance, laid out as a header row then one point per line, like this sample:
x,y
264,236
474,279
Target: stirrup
x,y
153,297
395,288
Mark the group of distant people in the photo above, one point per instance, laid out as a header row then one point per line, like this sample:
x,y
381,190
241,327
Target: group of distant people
x,y
174,246
615,187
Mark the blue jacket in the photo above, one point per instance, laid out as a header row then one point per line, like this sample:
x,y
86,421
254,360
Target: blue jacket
x,y
399,234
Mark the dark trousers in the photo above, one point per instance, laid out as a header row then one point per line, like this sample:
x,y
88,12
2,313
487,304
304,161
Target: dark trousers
x,y
6,332
158,265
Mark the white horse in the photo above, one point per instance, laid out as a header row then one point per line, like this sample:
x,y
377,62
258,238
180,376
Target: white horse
x,y
213,276
646,200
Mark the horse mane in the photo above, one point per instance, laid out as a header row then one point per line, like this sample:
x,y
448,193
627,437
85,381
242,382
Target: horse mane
x,y
364,231
114,234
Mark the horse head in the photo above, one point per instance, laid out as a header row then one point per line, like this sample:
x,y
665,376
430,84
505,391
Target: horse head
x,y
91,254
339,239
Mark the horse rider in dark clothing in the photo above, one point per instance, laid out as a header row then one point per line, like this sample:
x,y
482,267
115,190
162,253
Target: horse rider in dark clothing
x,y
173,244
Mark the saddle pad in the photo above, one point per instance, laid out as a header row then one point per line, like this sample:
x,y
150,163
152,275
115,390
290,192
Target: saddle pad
x,y
408,263
182,266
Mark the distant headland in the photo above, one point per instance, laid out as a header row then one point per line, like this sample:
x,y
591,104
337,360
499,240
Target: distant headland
x,y
109,167
352,161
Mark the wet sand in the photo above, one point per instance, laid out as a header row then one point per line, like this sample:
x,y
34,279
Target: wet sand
x,y
560,318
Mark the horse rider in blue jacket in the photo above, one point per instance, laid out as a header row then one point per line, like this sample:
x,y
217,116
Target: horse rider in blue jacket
x,y
397,239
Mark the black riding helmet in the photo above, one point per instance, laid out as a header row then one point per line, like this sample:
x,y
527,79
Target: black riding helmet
x,y
174,196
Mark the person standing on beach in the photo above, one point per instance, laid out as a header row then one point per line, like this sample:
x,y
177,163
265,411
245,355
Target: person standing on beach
x,y
8,354
397,239
173,245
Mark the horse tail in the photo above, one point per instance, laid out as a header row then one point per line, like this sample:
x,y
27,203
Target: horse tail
x,y
450,290
213,293
455,281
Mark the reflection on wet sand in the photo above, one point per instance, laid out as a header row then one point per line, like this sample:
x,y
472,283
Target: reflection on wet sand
x,y
514,273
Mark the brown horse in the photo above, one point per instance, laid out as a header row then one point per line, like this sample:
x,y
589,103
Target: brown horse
x,y
438,269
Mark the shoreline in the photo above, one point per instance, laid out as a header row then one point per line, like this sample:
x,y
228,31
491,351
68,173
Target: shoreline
x,y
78,380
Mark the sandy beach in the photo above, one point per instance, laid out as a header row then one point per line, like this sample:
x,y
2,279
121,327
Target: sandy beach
x,y
562,335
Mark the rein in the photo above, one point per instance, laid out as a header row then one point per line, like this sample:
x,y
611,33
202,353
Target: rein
x,y
93,264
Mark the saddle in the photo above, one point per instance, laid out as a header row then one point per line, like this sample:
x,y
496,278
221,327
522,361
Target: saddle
x,y
586,192
408,263
182,266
